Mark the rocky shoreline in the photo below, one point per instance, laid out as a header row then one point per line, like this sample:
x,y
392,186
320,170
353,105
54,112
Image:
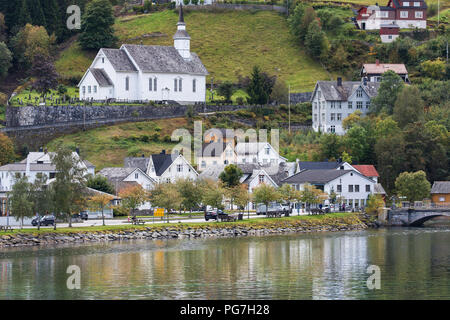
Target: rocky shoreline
x,y
184,232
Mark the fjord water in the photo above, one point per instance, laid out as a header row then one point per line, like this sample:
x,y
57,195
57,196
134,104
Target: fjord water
x,y
414,264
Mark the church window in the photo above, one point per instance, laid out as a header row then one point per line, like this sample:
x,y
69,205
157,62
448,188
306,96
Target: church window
x,y
127,83
155,84
84,89
150,82
89,89
180,85
103,60
95,89
193,85
175,85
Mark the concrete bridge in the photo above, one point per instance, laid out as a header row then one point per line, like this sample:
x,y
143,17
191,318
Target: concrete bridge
x,y
414,217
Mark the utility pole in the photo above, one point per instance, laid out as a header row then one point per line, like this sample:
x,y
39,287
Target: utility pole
x,y
212,93
289,107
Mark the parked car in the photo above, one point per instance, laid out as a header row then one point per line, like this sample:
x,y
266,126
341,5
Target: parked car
x,y
274,209
84,215
45,221
211,215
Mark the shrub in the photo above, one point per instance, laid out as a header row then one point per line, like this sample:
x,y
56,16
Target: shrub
x,y
240,101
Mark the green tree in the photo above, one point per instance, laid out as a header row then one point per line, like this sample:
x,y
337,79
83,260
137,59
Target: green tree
x,y
190,193
295,20
132,197
346,157
435,69
5,59
356,140
311,195
390,86
20,200
386,127
100,183
265,194
241,196
36,13
289,194
97,26
260,87
413,185
69,195
41,196
409,107
316,42
6,150
280,92
226,89
212,193
231,176
167,196
330,146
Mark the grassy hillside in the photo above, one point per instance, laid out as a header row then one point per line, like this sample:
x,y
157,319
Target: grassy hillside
x,y
229,43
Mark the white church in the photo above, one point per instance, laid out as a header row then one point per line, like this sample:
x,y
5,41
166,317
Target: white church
x,y
147,73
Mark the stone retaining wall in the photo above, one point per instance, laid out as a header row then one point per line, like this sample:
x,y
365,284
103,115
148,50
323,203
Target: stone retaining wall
x,y
182,232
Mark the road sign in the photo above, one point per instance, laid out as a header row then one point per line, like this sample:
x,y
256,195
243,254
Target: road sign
x,y
159,212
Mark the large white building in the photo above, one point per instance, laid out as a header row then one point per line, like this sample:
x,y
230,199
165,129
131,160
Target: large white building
x,y
147,73
333,101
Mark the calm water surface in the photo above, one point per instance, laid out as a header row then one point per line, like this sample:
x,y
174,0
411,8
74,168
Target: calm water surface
x,y
414,264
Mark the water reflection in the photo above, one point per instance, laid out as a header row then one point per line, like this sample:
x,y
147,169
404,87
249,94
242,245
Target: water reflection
x,y
415,264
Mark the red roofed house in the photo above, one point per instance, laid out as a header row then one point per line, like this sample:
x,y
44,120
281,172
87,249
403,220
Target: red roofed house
x,y
406,14
389,32
374,71
369,171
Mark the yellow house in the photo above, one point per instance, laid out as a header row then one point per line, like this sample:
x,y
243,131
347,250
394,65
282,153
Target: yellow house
x,y
440,192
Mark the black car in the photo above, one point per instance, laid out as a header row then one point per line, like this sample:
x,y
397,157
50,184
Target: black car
x,y
45,221
84,215
213,214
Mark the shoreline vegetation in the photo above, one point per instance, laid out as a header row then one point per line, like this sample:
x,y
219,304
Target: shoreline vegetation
x,y
251,227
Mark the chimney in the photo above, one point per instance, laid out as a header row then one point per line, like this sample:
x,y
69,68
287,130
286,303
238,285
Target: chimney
x,y
377,62
163,152
339,82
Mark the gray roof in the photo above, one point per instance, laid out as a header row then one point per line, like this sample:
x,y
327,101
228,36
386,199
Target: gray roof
x,y
164,59
141,163
116,173
378,189
89,164
332,92
213,149
19,166
316,176
318,165
101,77
161,162
119,59
441,187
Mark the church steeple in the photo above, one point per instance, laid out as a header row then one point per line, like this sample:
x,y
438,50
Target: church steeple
x,y
182,40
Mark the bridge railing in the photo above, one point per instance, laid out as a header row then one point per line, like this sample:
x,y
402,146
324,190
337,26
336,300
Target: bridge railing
x,y
425,205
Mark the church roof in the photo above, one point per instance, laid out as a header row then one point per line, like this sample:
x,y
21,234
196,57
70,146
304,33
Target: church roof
x,y
164,59
119,60
101,77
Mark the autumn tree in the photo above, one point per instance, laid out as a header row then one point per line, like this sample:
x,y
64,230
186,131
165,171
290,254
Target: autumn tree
x,y
311,195
289,194
265,194
167,196
7,154
99,201
29,42
374,204
132,196
212,193
45,73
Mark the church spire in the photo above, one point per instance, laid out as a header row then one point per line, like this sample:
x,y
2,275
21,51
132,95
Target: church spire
x,y
181,18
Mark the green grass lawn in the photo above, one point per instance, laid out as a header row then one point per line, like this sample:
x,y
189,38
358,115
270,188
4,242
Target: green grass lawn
x,y
444,16
229,43
108,146
256,222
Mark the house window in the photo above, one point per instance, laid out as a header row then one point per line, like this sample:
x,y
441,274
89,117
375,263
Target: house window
x,y
95,89
103,60
403,14
150,84
244,160
332,116
267,150
359,104
180,83
333,104
84,89
339,188
261,178
381,14
333,129
359,93
89,89
175,85
315,117
350,105
416,4
194,85
419,14
179,168
127,83
167,180
350,188
339,116
203,164
155,84
136,175
367,187
323,116
441,199
406,4
367,104
356,187
389,37
339,105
